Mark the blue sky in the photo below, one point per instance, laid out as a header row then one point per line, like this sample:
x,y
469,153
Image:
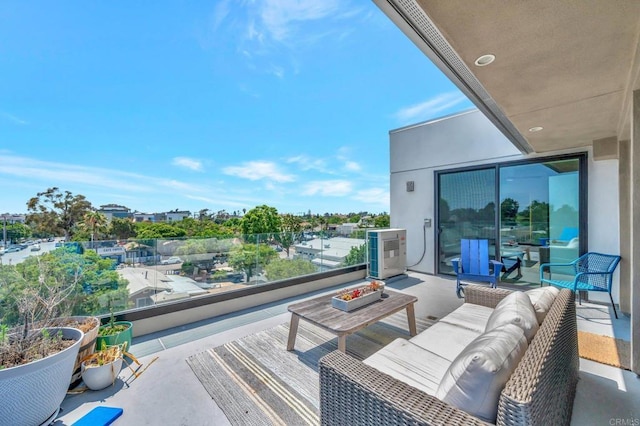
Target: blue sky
x,y
216,105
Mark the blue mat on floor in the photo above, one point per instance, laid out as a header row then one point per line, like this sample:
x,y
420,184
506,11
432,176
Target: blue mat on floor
x,y
99,416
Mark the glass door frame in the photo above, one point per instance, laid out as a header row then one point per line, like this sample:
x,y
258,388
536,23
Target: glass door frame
x,y
583,198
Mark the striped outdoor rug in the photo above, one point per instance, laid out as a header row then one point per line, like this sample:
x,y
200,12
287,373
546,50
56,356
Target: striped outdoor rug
x,y
256,381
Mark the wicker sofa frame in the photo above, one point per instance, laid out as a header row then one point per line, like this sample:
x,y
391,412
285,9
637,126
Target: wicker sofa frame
x,y
540,391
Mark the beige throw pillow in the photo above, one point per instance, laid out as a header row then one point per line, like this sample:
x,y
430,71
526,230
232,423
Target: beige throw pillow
x,y
542,299
476,377
516,308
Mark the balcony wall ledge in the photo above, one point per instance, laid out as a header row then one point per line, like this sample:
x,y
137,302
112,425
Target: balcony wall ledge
x,y
174,314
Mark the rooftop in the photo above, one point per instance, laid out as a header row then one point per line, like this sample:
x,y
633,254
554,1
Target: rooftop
x,y
168,392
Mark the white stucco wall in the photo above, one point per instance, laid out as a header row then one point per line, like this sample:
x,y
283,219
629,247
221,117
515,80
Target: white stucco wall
x,y
469,139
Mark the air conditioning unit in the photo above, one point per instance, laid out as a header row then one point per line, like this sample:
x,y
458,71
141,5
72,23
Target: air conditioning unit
x,y
387,253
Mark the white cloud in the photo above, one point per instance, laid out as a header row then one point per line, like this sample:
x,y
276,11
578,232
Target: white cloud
x,y
13,119
276,70
268,33
307,163
278,16
430,108
352,166
257,170
188,163
373,196
180,186
55,174
60,174
218,201
328,188
343,152
220,12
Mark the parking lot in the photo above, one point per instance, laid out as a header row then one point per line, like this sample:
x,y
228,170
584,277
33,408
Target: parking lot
x,y
19,256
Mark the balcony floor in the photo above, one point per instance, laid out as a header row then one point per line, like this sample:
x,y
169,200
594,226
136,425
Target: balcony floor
x,y
169,393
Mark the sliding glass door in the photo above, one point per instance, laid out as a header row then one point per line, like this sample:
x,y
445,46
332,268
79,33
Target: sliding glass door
x,y
541,208
539,216
466,209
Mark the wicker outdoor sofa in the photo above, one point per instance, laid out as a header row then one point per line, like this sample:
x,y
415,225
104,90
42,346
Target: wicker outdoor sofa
x,y
540,391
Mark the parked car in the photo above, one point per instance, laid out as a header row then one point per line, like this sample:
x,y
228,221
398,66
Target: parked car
x,y
171,261
35,247
13,249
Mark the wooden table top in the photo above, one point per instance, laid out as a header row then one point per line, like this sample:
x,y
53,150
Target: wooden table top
x,y
320,312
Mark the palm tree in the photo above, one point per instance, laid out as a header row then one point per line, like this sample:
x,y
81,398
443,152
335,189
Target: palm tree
x,y
94,222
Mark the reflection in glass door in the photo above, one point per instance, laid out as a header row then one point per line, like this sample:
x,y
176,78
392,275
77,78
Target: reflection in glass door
x,y
466,209
539,217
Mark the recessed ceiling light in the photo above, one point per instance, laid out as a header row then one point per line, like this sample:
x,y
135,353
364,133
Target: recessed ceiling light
x,y
536,129
485,60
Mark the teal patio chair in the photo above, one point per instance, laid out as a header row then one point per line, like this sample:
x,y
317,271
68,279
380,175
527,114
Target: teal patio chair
x,y
590,272
474,264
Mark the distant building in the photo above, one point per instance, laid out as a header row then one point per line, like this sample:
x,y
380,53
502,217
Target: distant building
x,y
346,229
144,217
327,253
176,215
115,210
12,218
117,253
148,287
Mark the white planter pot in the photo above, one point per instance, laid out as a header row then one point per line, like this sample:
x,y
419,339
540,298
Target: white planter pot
x,y
31,394
102,376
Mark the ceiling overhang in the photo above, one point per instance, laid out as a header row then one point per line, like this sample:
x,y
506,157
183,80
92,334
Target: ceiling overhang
x,y
568,67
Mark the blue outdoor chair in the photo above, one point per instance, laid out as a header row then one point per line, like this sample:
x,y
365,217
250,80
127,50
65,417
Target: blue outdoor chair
x,y
591,272
474,264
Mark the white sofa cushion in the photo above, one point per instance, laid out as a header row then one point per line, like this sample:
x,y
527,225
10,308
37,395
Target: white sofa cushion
x,y
445,340
410,364
476,377
542,299
515,308
469,315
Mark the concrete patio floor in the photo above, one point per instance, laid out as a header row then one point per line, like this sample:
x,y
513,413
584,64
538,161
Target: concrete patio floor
x,y
169,393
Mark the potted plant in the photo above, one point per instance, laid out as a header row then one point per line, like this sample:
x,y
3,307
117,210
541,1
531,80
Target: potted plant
x,y
101,368
350,299
35,367
36,358
89,325
114,333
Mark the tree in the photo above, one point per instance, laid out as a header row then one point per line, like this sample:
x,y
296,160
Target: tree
x,y
17,231
356,256
382,221
203,214
121,228
509,211
280,269
289,232
93,222
354,218
202,228
150,231
359,233
444,211
52,212
260,223
73,282
249,257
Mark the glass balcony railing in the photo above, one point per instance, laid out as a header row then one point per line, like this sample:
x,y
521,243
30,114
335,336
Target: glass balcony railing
x,y
99,277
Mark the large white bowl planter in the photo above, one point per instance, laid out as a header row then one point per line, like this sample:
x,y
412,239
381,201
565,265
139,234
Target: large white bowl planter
x,y
101,376
31,394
